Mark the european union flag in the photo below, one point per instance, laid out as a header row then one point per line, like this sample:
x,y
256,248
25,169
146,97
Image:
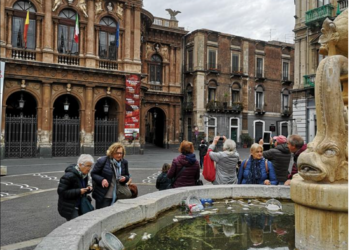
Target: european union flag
x,y
117,36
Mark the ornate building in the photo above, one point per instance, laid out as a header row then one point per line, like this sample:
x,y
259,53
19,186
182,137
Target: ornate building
x,y
89,73
235,85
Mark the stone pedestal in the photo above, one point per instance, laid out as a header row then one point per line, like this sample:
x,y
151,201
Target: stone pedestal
x,y
3,170
321,214
45,150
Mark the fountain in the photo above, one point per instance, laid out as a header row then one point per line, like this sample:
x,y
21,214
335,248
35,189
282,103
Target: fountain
x,y
320,191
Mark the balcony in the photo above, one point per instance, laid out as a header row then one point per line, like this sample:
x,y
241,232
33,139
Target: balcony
x,y
107,64
68,59
23,54
237,73
286,111
155,86
259,76
285,80
259,110
188,68
342,5
237,107
213,68
315,17
309,81
222,107
188,106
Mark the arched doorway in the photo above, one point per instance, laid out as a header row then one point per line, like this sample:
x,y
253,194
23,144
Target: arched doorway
x,y
66,126
106,125
21,125
155,127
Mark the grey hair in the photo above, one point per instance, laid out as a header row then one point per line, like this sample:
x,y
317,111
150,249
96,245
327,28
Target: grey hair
x,y
84,158
296,141
229,145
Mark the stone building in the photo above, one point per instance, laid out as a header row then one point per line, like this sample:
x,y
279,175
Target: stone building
x,y
309,18
118,79
235,85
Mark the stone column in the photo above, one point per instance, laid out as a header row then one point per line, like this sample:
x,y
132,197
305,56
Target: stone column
x,y
97,37
81,44
171,123
45,144
38,32
55,31
172,66
90,35
177,63
9,29
88,140
127,36
137,34
47,50
2,30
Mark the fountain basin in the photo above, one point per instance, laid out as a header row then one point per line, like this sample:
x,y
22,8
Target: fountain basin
x,y
78,233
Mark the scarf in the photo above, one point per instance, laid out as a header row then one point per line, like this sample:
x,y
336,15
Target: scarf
x,y
254,174
80,173
191,158
118,165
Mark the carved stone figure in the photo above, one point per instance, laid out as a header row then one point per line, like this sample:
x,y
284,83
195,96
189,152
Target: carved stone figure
x,y
56,4
164,52
82,5
173,13
23,85
108,90
110,7
98,7
326,157
69,87
120,10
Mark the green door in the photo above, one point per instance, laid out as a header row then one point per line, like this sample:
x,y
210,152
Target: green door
x,y
234,134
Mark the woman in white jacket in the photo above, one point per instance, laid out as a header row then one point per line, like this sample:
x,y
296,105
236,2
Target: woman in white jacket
x,y
226,161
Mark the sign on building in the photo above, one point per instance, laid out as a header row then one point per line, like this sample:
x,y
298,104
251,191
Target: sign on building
x,y
132,107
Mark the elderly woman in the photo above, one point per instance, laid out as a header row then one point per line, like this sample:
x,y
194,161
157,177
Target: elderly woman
x,y
73,185
257,170
109,174
184,168
226,161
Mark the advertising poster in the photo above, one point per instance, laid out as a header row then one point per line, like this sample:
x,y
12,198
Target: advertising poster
x,y
132,107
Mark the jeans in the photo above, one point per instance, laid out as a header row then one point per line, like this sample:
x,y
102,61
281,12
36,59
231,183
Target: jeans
x,y
105,203
74,215
281,183
201,160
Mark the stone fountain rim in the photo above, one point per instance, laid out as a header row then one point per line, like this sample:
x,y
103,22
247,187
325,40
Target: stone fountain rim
x,y
77,234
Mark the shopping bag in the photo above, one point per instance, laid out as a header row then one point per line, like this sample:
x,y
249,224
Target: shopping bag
x,y
208,167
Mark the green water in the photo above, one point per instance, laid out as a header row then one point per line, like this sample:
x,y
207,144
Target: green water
x,y
235,225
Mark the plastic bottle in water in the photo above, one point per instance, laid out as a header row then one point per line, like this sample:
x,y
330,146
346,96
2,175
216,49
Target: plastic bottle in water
x,y
196,208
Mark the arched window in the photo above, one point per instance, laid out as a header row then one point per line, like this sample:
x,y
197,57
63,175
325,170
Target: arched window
x,y
285,100
259,98
66,29
155,69
211,91
18,22
236,88
259,128
107,41
234,129
211,127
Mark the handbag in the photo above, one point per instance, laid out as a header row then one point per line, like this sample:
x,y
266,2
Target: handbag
x,y
209,170
85,205
123,191
199,182
134,190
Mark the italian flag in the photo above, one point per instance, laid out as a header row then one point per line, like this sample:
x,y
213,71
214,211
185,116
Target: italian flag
x,y
76,33
26,26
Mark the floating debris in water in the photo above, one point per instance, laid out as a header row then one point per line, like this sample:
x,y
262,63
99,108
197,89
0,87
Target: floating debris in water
x,y
245,208
229,208
146,236
175,220
132,236
272,207
183,217
208,212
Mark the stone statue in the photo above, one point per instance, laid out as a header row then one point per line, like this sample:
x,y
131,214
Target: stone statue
x,y
173,13
164,53
82,5
110,7
98,7
120,10
69,87
56,4
326,157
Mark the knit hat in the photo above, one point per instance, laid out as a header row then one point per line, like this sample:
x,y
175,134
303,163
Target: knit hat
x,y
281,139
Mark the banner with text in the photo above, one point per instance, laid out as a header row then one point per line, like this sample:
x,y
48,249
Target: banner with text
x,y
2,76
132,107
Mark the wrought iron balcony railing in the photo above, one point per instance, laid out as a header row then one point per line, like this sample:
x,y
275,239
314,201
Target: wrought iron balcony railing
x,y
315,17
237,72
214,67
155,86
309,81
286,111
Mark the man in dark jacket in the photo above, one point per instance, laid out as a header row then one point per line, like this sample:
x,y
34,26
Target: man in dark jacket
x,y
280,157
296,146
203,148
72,186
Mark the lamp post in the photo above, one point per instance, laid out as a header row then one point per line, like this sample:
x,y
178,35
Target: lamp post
x,y
66,108
154,126
105,109
21,105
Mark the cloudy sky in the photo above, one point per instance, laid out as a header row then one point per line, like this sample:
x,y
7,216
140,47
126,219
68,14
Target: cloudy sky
x,y
257,19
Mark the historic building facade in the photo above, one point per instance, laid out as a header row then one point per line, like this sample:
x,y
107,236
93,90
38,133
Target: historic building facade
x,y
309,18
234,86
69,92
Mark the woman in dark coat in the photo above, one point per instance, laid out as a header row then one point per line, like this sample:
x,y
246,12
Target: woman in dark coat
x,y
191,173
72,186
108,173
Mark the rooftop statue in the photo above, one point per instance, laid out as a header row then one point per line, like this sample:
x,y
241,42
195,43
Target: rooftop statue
x,y
173,13
326,157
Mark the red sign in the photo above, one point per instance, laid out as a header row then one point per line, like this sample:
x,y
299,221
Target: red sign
x,y
132,107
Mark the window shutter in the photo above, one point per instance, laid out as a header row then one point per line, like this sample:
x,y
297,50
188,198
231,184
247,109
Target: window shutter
x,y
235,66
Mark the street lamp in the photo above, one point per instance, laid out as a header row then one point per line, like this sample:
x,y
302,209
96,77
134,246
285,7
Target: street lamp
x,y
105,109
66,108
155,114
21,104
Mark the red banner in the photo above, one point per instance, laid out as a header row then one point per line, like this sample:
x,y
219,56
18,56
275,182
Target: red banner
x,y
132,107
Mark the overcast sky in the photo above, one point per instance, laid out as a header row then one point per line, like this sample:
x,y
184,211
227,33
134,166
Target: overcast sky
x,y
257,19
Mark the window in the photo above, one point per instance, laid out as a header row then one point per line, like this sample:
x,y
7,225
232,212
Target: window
x,y
285,100
158,21
259,128
155,68
234,129
235,63
259,67
19,17
284,128
66,28
320,3
259,98
211,129
190,61
235,92
211,94
285,76
212,59
107,41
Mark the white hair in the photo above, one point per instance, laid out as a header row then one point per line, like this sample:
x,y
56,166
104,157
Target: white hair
x,y
84,158
229,145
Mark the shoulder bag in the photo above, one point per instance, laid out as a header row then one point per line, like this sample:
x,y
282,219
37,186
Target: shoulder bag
x,y
209,170
85,205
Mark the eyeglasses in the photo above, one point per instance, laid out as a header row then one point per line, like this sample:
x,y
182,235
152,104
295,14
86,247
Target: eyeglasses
x,y
118,153
87,166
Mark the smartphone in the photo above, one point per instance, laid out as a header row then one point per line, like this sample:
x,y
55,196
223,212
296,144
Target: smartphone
x,y
221,138
267,136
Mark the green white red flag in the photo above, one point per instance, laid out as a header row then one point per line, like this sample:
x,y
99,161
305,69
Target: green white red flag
x,y
76,32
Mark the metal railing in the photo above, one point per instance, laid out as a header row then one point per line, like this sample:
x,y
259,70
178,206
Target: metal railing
x,y
153,86
23,54
107,64
68,60
213,67
238,71
319,14
309,81
342,5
